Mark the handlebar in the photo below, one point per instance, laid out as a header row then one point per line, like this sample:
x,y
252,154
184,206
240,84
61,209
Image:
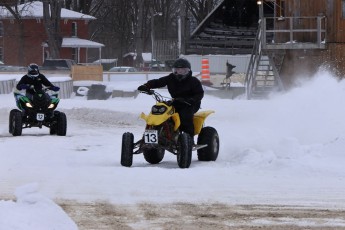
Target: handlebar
x,y
159,98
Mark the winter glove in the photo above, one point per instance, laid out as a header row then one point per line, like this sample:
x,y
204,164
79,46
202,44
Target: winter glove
x,y
23,86
54,88
180,100
144,88
189,101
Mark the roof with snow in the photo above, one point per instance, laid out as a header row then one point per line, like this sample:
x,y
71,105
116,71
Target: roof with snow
x,y
35,10
78,43
106,61
146,56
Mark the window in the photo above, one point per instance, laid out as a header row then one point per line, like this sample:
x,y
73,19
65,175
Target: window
x,y
75,54
46,54
1,29
1,54
74,29
280,7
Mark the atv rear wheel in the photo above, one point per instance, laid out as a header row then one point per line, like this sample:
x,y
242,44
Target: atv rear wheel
x,y
61,126
154,155
184,150
127,149
53,125
15,122
208,136
53,129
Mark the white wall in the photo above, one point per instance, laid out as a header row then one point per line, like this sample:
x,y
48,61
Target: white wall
x,y
217,63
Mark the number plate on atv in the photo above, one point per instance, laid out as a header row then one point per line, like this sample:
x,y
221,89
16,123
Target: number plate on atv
x,y
151,136
40,116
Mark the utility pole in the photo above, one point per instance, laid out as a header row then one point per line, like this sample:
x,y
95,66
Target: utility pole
x,y
182,28
261,8
153,54
139,36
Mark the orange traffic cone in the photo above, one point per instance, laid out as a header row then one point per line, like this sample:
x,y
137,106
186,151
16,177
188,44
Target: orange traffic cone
x,y
205,72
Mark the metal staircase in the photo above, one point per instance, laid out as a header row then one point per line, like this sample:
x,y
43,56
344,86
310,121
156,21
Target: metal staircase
x,y
263,73
262,76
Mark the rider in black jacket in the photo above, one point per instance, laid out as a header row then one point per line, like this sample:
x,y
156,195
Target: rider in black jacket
x,y
186,90
34,80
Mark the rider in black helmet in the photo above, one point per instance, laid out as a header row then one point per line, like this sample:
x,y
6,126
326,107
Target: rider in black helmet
x,y
34,80
183,87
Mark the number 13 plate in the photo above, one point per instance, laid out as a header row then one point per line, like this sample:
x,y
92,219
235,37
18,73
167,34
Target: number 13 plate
x,y
151,136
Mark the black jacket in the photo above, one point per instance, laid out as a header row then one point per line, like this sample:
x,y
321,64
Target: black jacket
x,y
36,82
188,88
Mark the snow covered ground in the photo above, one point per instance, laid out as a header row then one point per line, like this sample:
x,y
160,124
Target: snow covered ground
x,y
288,150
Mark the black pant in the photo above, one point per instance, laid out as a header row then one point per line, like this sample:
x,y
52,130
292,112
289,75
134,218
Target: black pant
x,y
186,114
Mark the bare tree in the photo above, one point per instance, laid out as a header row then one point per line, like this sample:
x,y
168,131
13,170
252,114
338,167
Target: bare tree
x,y
200,8
12,7
167,22
8,4
89,7
116,26
85,6
51,19
125,25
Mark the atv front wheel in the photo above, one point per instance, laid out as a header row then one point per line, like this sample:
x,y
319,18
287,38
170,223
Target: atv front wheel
x,y
15,122
153,155
184,151
208,136
61,126
10,127
127,149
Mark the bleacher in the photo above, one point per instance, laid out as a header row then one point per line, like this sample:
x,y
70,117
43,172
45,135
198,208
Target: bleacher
x,y
218,38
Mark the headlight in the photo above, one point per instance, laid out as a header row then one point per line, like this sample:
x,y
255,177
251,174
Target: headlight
x,y
27,104
51,106
158,109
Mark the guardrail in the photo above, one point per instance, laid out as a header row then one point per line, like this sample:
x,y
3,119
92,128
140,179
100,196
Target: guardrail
x,y
135,76
294,32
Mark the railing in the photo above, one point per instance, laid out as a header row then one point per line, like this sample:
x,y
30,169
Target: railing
x,y
294,32
254,59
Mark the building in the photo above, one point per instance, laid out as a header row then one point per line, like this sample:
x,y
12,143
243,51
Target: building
x,y
229,29
317,34
25,42
287,39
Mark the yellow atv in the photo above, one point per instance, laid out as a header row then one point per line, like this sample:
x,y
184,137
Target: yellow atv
x,y
162,133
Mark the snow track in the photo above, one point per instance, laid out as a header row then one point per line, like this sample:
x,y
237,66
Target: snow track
x,y
277,158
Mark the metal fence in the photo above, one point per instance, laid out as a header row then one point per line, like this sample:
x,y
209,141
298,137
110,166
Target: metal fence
x,y
165,50
6,86
66,87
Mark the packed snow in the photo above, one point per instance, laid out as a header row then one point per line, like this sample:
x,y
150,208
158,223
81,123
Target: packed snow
x,y
285,150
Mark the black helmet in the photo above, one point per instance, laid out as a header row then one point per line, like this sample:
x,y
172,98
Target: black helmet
x,y
181,68
181,63
33,71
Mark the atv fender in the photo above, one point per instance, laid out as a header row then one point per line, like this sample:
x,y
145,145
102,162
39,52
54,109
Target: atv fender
x,y
155,120
199,119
